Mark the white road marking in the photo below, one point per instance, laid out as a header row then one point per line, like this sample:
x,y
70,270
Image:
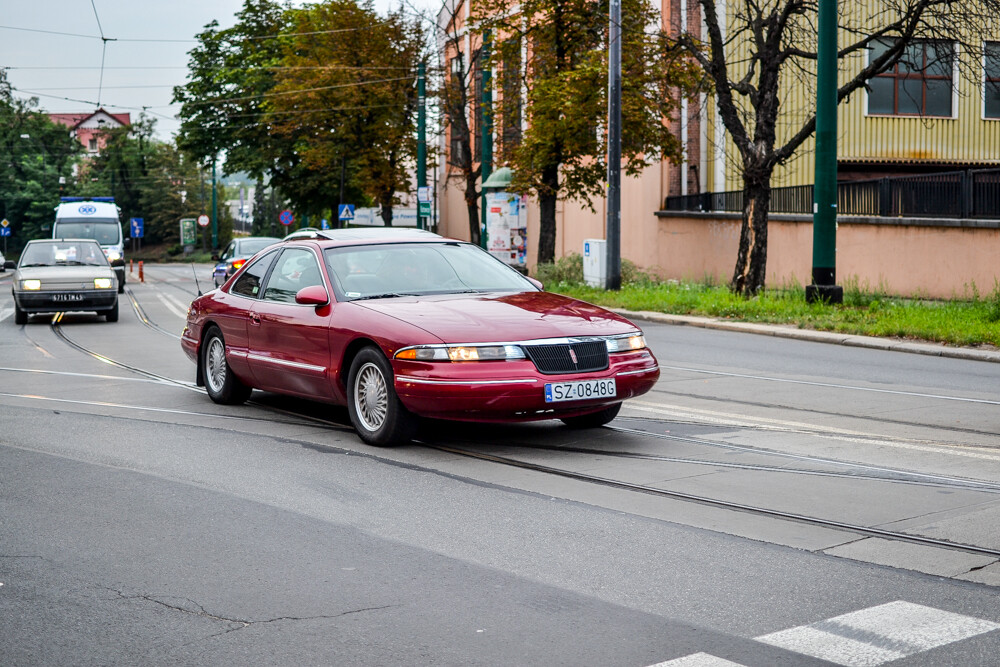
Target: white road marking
x,y
173,305
698,660
5,313
879,634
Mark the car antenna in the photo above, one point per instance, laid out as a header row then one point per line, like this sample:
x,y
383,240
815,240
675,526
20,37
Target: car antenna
x,y
195,278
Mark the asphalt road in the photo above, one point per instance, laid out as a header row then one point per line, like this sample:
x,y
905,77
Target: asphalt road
x,y
140,523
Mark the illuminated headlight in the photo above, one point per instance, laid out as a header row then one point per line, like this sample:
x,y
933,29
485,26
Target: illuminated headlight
x,y
102,283
626,343
31,284
113,254
462,353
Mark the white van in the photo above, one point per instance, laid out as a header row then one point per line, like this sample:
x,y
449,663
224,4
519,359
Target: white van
x,y
95,218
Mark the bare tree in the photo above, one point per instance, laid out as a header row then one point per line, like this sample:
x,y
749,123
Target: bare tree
x,y
762,45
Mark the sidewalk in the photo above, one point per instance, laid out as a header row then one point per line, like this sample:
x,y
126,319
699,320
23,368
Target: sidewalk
x,y
889,344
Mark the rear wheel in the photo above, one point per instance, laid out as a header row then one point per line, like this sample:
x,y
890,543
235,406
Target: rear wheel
x,y
220,382
593,419
121,284
376,412
20,317
112,315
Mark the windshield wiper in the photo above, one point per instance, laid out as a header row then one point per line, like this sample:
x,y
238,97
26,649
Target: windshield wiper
x,y
25,266
384,295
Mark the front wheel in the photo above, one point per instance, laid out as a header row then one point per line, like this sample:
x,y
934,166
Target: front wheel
x,y
594,419
20,317
220,382
112,315
376,412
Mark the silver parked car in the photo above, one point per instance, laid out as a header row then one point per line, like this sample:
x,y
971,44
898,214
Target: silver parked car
x,y
64,275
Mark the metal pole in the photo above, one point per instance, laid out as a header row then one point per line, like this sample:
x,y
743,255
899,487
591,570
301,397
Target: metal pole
x,y
824,271
612,231
486,134
421,134
215,212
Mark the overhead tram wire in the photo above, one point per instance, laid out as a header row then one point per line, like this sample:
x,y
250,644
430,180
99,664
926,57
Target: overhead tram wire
x,y
104,50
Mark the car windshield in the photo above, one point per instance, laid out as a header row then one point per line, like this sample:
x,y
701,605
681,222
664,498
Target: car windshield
x,y
105,233
397,269
55,253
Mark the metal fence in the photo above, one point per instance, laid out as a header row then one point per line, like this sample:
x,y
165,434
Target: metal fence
x,y
953,194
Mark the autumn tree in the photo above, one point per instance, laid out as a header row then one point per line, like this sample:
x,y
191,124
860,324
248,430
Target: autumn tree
x,y
559,48
760,46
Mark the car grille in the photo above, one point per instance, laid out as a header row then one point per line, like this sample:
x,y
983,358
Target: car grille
x,y
581,357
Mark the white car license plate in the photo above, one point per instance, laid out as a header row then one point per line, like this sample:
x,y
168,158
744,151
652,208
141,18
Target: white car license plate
x,y
580,391
67,297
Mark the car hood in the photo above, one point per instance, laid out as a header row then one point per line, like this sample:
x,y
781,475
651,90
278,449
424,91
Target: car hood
x,y
481,318
64,274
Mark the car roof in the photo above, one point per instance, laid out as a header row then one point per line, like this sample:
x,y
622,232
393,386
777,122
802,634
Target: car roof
x,y
356,235
60,240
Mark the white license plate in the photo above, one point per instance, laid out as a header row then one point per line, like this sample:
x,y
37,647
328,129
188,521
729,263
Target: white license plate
x,y
67,297
580,391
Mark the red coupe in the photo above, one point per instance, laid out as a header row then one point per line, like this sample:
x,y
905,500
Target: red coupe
x,y
402,324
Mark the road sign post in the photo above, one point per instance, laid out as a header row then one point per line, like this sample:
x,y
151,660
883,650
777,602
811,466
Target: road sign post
x,y
137,228
5,232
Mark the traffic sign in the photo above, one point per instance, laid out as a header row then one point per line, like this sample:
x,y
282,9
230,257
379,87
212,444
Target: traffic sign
x,y
137,227
4,231
423,193
203,220
346,212
424,208
286,218
4,223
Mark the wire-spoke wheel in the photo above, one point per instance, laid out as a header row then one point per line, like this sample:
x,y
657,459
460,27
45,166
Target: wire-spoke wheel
x,y
376,412
222,386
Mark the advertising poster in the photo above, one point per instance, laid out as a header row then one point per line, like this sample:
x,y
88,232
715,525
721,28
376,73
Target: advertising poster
x,y
507,227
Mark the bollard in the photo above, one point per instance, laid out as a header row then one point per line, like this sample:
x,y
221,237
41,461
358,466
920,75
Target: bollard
x,y
141,278
131,267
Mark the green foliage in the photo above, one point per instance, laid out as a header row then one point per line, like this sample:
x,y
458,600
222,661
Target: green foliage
x,y
568,271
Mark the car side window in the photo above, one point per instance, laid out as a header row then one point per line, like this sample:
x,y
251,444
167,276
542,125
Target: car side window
x,y
295,269
249,282
229,251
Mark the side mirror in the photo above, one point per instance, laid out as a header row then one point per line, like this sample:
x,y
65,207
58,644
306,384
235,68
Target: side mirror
x,y
314,295
537,283
9,264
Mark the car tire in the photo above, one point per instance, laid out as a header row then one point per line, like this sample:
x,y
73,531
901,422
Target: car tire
x,y
376,411
112,315
20,317
121,285
593,419
221,384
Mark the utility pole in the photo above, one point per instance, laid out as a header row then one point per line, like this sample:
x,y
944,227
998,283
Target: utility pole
x,y
421,135
486,134
824,267
613,224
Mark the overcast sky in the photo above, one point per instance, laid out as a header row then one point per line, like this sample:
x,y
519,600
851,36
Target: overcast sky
x,y
139,72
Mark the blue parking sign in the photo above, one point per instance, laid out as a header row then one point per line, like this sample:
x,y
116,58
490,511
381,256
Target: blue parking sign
x,y
137,227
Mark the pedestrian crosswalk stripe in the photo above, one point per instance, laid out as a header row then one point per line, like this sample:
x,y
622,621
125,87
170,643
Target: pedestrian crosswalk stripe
x,y
879,634
698,660
864,638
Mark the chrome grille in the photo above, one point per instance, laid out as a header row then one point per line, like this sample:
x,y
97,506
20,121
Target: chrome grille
x,y
580,357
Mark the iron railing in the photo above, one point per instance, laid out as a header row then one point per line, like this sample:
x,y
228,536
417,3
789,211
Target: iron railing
x,y
953,194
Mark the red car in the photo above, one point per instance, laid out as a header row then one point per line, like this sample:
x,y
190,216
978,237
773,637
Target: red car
x,y
401,324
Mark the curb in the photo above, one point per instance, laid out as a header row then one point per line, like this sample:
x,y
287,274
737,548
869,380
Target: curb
x,y
870,342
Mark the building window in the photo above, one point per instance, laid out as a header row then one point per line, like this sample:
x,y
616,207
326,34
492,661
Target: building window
x,y
920,84
92,145
991,80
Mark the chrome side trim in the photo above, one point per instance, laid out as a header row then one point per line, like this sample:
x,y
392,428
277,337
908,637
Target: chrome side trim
x,y
289,364
414,380
641,370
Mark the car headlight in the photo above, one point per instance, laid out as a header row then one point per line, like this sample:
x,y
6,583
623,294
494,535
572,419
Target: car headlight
x,y
462,353
113,254
626,343
102,283
31,284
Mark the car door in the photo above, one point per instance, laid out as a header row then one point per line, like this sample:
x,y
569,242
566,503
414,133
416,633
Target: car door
x,y
234,313
289,343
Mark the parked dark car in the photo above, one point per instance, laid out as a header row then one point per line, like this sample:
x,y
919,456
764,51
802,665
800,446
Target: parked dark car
x,y
236,253
398,325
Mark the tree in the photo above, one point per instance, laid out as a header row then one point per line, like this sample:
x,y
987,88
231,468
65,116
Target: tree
x,y
564,76
458,99
761,45
36,163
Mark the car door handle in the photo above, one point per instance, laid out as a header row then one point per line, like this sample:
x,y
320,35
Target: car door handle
x,y
254,318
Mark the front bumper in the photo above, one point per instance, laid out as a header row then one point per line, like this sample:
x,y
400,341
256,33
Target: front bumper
x,y
56,301
512,391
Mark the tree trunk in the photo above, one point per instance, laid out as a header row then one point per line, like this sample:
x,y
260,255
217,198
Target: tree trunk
x,y
547,197
751,260
386,202
472,205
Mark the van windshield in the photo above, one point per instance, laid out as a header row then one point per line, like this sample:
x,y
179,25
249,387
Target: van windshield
x,y
105,233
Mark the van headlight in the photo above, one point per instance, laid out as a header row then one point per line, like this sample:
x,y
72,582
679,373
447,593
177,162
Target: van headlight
x,y
102,283
113,254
